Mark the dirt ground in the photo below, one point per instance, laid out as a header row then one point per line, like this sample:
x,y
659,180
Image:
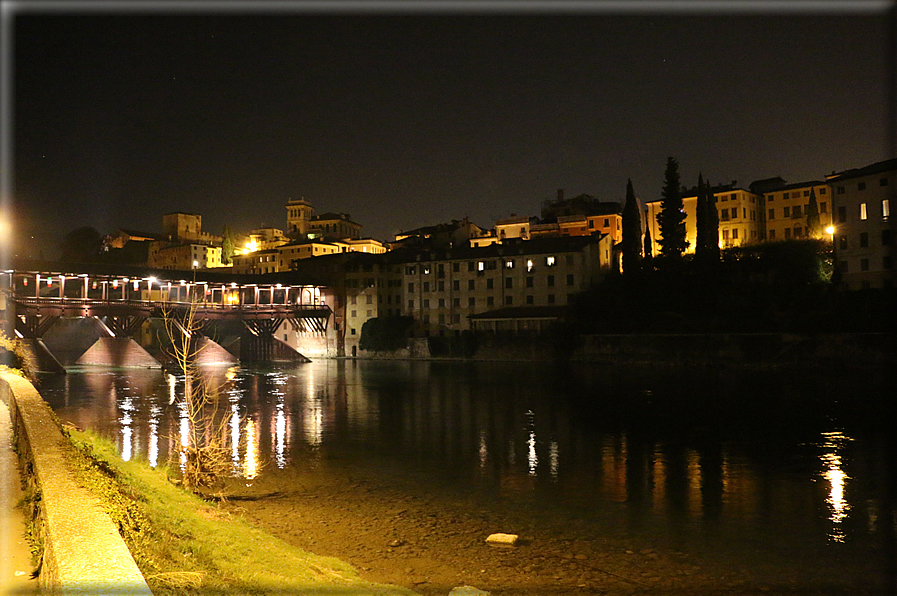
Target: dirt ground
x,y
431,544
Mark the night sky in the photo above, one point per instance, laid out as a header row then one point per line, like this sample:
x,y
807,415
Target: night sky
x,y
405,116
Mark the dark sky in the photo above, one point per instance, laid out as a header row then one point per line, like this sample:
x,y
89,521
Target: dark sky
x,y
405,116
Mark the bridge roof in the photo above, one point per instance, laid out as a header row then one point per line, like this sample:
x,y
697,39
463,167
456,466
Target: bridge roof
x,y
111,270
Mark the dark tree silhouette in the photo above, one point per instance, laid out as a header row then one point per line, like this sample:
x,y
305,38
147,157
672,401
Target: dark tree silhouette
x,y
632,231
82,245
707,223
228,246
671,218
814,226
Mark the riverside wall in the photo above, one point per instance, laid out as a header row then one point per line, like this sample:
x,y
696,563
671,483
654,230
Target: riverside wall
x,y
735,349
83,553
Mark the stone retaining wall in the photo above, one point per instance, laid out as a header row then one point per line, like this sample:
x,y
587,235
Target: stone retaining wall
x,y
83,551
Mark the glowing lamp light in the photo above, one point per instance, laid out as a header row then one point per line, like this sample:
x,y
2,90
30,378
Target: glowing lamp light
x,y
114,283
830,230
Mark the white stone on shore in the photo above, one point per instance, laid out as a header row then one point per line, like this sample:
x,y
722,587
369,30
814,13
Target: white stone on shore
x,y
468,591
502,539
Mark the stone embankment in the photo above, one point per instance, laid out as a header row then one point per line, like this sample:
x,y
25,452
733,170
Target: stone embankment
x,y
83,552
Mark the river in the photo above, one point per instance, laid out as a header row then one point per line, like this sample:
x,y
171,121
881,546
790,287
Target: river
x,y
789,473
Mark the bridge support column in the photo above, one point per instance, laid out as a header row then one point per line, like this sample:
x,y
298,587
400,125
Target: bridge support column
x,y
258,344
32,327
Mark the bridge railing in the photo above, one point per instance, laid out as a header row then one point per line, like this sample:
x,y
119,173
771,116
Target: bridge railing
x,y
87,303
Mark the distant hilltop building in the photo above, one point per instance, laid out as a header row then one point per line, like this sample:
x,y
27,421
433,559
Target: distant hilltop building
x,y
303,223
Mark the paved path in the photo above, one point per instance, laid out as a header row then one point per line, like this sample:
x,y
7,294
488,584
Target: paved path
x,y
15,557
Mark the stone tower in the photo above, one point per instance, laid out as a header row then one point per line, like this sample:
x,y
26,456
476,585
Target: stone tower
x,y
298,215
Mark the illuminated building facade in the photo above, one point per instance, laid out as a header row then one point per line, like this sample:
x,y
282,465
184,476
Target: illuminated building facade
x,y
864,229
786,210
740,218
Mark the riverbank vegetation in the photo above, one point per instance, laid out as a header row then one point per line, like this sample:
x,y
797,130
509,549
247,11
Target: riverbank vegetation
x,y
184,544
772,287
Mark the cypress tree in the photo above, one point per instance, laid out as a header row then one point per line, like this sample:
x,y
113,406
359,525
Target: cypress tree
x,y
712,223
671,218
228,247
701,223
632,231
814,226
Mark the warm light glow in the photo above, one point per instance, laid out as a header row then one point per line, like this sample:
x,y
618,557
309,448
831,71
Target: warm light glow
x,y
830,230
837,478
250,462
251,246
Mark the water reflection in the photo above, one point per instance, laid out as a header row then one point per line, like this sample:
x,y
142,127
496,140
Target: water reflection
x,y
834,473
519,434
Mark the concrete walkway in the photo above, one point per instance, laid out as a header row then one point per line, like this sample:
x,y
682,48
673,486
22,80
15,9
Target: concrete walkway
x,y
15,556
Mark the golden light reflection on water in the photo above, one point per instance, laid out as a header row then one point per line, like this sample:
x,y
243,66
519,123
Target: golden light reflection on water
x,y
251,461
153,450
833,443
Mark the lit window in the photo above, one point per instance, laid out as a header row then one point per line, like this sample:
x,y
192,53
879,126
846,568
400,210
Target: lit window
x,y
886,208
481,266
549,261
529,265
509,264
862,210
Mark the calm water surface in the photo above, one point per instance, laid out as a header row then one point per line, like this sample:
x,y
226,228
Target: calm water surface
x,y
790,470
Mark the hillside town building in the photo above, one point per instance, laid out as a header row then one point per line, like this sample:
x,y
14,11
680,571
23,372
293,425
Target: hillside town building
x,y
864,229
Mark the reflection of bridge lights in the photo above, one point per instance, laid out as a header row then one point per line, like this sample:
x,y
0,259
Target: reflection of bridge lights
x,y
153,452
250,463
531,457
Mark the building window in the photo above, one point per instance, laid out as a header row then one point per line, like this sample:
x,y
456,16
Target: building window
x,y
529,265
509,264
369,299
823,207
795,212
529,300
886,263
862,210
411,287
471,302
509,300
864,239
568,259
887,237
861,186
550,261
456,302
442,303
864,264
470,284
490,284
456,318
411,305
471,266
509,283
883,182
551,299
885,208
456,267
426,286
724,214
786,211
734,233
490,301
369,313
822,191
481,265
354,313
529,282
772,214
426,303
842,214
772,234
842,242
806,193
797,232
442,319
839,190
351,332
787,232
550,281
725,234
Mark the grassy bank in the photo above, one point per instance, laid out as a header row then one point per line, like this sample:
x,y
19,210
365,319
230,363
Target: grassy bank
x,y
186,545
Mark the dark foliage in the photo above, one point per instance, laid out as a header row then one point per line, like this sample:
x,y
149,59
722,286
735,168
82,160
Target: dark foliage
x,y
82,245
671,218
385,334
632,231
768,287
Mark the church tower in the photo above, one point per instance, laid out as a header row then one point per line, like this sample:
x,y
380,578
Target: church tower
x,y
298,215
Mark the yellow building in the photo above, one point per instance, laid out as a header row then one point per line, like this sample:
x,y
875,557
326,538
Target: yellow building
x,y
786,210
183,257
740,218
